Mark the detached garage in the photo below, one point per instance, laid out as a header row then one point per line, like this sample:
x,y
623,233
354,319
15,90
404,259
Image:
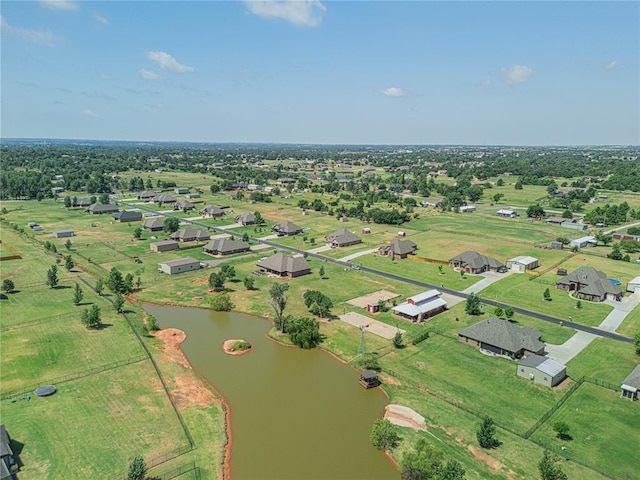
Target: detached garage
x,y
634,285
522,263
181,265
542,370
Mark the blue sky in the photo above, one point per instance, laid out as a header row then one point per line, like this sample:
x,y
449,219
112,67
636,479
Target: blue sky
x,y
521,73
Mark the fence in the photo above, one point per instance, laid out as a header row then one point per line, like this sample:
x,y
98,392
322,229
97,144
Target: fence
x,y
15,255
557,264
427,260
160,459
176,472
74,376
602,383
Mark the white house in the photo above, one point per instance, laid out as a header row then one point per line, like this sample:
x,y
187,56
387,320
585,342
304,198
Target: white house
x,y
522,263
421,306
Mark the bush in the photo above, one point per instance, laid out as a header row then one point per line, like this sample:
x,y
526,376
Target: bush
x,y
384,435
240,345
420,337
221,302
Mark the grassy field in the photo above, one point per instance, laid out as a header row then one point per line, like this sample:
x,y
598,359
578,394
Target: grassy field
x,y
603,428
631,324
605,360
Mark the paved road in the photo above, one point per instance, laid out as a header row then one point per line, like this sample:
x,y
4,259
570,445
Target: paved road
x,y
622,227
428,286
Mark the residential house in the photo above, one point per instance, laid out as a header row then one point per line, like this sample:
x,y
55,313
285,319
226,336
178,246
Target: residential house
x,y
181,190
183,205
173,267
84,202
587,283
284,265
474,262
634,285
8,464
342,238
126,216
421,306
507,213
582,242
163,198
154,224
522,263
63,233
100,209
146,195
398,249
631,385
541,370
212,211
503,338
246,219
189,234
226,246
286,228
164,246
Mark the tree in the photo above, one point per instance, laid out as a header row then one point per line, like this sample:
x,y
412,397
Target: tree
x,y
578,304
115,282
68,263
518,185
90,317
615,254
552,188
228,271
534,211
216,281
99,287
74,201
423,462
118,303
321,271
548,468
77,295
397,339
104,198
8,285
259,219
137,469
68,244
248,282
498,311
127,286
67,201
547,295
636,343
245,237
508,312
603,238
138,283
567,214
52,276
384,435
452,470
317,303
562,430
472,306
497,197
304,332
221,302
137,233
171,224
486,434
563,240
278,301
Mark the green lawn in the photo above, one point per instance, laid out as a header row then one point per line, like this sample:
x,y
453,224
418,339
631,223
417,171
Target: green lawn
x,y
605,360
631,325
603,427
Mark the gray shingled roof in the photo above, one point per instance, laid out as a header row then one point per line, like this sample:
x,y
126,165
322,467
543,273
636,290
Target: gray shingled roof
x,y
100,208
212,210
286,227
633,380
342,236
503,334
127,215
182,204
187,232
164,198
476,260
282,263
224,245
595,282
403,247
155,222
246,218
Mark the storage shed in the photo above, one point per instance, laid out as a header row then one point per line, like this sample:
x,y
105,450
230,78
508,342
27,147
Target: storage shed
x,y
63,233
181,265
542,370
164,246
522,263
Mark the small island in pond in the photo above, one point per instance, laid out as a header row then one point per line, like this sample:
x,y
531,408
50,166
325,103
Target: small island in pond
x,y
236,347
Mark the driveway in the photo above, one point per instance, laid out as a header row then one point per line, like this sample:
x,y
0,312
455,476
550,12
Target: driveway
x,y
489,278
348,258
572,347
321,249
620,311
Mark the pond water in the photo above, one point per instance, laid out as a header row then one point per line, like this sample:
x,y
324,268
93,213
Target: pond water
x,y
295,414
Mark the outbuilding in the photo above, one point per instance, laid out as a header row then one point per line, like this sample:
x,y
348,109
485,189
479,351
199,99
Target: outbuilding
x,y
164,246
541,370
522,263
181,265
507,213
634,285
63,233
582,242
631,384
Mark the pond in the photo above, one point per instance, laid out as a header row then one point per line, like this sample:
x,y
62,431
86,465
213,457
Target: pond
x,y
295,414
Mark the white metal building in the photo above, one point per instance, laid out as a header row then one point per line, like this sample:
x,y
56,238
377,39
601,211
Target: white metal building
x,y
522,263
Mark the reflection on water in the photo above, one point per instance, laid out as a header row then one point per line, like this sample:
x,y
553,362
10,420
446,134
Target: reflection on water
x,y
295,414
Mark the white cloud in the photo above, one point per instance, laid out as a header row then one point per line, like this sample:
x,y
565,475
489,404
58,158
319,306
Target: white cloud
x,y
100,19
59,4
305,13
149,74
393,92
90,113
167,62
516,74
611,65
486,84
41,37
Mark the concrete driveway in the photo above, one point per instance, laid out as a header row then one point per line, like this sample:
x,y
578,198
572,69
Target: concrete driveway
x,y
348,258
489,278
620,311
569,349
321,249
